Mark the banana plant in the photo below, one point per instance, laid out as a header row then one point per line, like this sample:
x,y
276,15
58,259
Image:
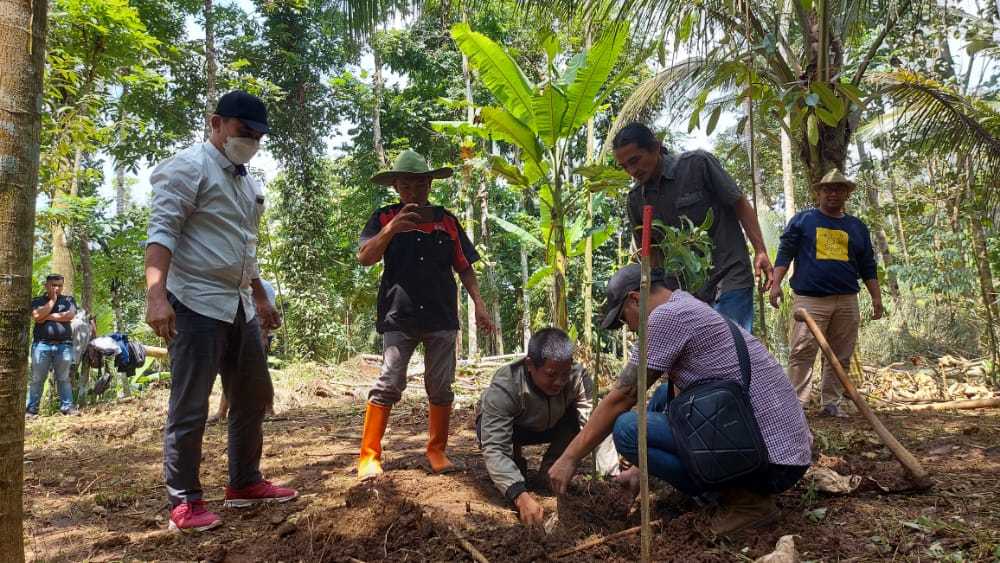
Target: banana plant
x,y
542,121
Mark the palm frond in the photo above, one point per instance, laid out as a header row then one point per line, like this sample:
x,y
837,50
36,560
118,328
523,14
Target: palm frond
x,y
363,16
937,119
679,77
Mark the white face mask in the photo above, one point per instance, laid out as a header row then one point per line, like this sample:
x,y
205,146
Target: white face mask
x,y
239,150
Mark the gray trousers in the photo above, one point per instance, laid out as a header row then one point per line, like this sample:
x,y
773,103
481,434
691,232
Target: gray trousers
x,y
439,366
203,348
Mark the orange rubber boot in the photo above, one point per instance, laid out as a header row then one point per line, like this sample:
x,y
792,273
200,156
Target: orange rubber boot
x,y
370,460
438,439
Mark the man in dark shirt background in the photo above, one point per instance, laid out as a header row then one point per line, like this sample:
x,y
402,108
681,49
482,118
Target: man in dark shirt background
x,y
831,250
690,184
52,346
422,247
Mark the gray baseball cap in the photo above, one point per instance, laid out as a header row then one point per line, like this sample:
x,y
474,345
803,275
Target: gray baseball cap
x,y
625,281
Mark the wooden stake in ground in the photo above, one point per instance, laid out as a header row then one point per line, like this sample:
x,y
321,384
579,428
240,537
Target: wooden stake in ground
x,y
993,403
598,541
918,474
647,225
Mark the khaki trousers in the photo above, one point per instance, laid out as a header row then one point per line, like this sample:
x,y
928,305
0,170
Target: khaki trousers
x,y
838,318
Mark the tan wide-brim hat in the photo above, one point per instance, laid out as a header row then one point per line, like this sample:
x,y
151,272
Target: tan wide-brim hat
x,y
834,178
410,163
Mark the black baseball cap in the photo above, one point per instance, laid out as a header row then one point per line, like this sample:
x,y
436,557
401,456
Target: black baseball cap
x,y
246,107
624,281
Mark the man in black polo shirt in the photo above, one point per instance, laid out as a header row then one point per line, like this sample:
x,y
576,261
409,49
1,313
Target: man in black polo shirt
x,y
422,246
690,184
52,349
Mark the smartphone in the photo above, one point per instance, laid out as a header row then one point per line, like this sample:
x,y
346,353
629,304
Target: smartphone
x,y
428,213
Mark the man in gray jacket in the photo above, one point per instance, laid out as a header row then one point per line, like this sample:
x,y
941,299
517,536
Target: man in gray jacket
x,y
542,399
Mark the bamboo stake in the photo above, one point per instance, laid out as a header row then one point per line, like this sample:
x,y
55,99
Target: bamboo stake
x,y
918,474
646,536
964,404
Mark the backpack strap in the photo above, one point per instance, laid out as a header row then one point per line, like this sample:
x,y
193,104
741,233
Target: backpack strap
x,y
742,354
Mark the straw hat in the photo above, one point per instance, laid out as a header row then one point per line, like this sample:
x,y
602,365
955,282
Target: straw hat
x,y
409,163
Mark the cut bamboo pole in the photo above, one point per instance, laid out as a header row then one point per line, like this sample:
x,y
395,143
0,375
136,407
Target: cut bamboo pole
x,y
156,352
646,536
918,474
598,541
993,403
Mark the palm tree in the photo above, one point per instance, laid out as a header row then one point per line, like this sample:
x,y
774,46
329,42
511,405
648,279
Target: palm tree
x,y
939,120
21,71
810,71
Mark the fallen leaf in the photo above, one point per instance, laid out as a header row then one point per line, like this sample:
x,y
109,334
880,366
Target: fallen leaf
x,y
816,515
940,450
784,552
829,481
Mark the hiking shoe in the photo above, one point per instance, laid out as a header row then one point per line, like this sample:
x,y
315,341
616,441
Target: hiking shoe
x,y
742,509
192,516
30,414
833,411
260,492
72,411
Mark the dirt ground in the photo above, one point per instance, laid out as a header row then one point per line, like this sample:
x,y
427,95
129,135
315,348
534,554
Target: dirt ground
x,y
93,491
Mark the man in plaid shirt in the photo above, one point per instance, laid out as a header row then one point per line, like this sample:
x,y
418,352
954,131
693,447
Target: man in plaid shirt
x,y
690,342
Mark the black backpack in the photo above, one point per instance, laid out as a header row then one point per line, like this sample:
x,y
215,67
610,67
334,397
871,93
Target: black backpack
x,y
713,424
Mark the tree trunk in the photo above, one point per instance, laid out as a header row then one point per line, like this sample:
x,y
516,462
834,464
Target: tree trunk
x,y
525,299
756,180
470,223
121,196
377,86
588,251
877,227
470,197
121,192
82,241
987,290
787,170
492,295
22,64
560,314
900,233
62,258
211,67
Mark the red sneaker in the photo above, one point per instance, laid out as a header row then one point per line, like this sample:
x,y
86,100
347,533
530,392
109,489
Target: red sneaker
x,y
262,491
193,517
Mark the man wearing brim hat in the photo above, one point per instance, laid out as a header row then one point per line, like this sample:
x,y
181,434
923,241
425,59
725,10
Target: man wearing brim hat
x,y
422,246
831,251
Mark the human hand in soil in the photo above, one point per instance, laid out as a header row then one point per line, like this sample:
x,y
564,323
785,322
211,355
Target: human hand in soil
x,y
630,480
405,220
530,511
561,473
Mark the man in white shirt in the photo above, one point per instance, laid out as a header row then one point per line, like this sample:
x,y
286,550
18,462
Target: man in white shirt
x,y
204,296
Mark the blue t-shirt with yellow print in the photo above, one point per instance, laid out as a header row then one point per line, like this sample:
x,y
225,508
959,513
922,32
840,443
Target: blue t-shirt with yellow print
x,y
830,253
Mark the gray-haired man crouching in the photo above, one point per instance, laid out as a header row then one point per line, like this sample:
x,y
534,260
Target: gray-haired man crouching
x,y
540,399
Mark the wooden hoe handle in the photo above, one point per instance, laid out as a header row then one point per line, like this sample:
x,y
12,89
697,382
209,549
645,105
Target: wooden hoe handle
x,y
918,474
